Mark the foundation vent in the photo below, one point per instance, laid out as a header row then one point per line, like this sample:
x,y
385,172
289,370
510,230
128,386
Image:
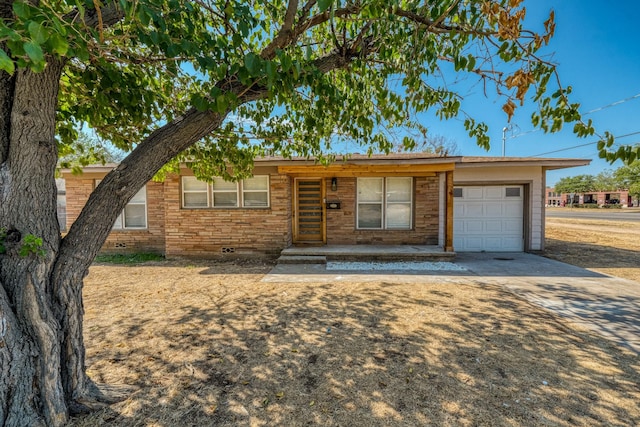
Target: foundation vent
x,y
120,245
226,250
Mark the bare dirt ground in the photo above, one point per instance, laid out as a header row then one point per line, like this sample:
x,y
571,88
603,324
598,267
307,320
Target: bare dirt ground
x,y
208,344
609,247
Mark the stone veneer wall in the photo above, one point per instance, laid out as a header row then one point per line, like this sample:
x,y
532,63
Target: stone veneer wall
x,y
219,232
341,224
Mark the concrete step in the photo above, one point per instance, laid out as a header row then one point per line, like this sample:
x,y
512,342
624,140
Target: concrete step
x,y
391,257
302,259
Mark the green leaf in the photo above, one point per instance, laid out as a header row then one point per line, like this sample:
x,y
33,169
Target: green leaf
x,y
324,4
38,32
221,103
34,52
143,16
6,63
22,10
58,45
252,63
199,102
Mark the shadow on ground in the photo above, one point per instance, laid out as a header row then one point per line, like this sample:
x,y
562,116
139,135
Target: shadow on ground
x,y
250,353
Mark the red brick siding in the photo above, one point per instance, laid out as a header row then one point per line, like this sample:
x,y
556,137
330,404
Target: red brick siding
x,y
205,232
341,223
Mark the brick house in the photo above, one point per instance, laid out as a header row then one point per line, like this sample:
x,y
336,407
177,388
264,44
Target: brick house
x,y
594,198
454,203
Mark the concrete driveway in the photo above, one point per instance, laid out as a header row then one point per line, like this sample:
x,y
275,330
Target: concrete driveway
x,y
607,305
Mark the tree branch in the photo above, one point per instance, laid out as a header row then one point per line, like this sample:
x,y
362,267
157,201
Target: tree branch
x,y
438,26
110,14
285,34
121,184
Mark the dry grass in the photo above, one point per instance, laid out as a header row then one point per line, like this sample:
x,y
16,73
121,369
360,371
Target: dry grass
x,y
211,345
609,247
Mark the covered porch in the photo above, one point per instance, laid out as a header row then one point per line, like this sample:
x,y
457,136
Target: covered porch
x,y
363,207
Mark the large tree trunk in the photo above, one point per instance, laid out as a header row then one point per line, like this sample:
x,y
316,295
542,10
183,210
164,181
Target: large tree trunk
x,y
42,351
30,385
42,354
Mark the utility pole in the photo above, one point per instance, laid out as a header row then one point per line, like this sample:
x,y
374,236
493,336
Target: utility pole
x,y
504,139
504,136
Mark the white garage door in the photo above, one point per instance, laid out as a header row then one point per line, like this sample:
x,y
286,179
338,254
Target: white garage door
x,y
488,218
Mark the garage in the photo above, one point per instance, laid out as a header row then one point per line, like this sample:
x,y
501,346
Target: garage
x,y
488,218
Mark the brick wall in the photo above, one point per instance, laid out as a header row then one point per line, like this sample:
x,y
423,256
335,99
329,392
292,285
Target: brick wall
x,y
215,232
122,241
78,191
341,223
149,240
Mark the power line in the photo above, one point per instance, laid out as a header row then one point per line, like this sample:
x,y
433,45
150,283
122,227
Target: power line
x,y
584,145
595,110
613,104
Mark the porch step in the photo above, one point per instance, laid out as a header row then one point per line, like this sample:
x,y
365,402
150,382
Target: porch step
x,y
322,254
302,259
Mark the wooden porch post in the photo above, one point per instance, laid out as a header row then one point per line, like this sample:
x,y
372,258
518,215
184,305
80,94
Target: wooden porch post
x,y
448,233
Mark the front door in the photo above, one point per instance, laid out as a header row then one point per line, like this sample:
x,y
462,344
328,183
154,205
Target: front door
x,y
309,211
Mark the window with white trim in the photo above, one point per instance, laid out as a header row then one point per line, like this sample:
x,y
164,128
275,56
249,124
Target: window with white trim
x,y
195,194
385,203
225,194
134,214
255,192
248,193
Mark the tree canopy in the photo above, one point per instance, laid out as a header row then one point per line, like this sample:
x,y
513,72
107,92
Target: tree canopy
x,y
316,72
626,177
214,83
575,184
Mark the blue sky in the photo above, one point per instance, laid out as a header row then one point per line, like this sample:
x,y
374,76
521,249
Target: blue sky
x,y
597,47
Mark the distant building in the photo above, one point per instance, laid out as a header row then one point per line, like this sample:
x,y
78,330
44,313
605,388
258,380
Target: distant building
x,y
596,198
552,198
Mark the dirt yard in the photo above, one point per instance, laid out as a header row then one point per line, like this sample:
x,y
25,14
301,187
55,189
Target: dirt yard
x,y
210,345
608,247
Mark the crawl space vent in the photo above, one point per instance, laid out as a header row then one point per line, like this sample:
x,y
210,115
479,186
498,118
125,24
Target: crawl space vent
x,y
228,250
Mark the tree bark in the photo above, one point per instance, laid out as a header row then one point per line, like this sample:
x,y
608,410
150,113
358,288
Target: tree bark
x,y
31,382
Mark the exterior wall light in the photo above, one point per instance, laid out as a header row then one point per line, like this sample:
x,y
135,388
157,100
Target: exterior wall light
x,y
334,184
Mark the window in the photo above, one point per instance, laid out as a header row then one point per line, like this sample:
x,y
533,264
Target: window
x,y
512,192
385,203
225,194
134,214
195,194
255,192
248,193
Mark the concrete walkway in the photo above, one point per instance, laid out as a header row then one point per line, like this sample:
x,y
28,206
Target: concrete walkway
x,y
607,305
